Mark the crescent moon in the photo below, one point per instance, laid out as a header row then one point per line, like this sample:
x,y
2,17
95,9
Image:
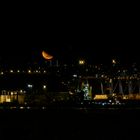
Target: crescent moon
x,y
46,55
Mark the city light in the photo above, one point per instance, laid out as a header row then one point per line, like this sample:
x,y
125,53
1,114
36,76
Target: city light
x,y
11,71
2,73
101,96
44,71
29,71
99,82
81,62
12,93
75,75
30,86
113,61
36,71
44,86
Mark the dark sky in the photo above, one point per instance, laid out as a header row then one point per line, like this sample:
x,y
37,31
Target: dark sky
x,y
96,36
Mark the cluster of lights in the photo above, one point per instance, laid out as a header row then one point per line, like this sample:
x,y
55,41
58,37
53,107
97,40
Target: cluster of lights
x,y
13,92
30,86
81,62
29,71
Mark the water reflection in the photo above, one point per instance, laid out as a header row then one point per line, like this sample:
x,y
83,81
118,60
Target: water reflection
x,y
12,98
21,99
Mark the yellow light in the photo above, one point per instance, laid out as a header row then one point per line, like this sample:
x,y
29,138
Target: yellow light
x,y
8,98
101,96
81,62
114,61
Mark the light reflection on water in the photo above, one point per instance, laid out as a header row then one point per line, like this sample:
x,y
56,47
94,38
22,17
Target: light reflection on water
x,y
11,98
30,100
27,101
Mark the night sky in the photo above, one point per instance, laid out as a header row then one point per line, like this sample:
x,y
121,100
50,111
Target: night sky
x,y
96,37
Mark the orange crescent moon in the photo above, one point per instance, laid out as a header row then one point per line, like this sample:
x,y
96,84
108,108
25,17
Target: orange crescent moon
x,y
46,55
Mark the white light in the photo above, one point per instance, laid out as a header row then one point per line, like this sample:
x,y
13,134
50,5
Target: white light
x,y
71,93
21,107
18,71
30,86
11,71
21,91
75,75
44,86
43,107
102,75
110,101
2,73
29,71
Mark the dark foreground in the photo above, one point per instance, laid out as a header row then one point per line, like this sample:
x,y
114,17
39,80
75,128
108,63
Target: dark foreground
x,y
69,124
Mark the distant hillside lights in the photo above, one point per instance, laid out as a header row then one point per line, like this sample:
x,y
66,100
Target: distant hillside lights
x,y
28,71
